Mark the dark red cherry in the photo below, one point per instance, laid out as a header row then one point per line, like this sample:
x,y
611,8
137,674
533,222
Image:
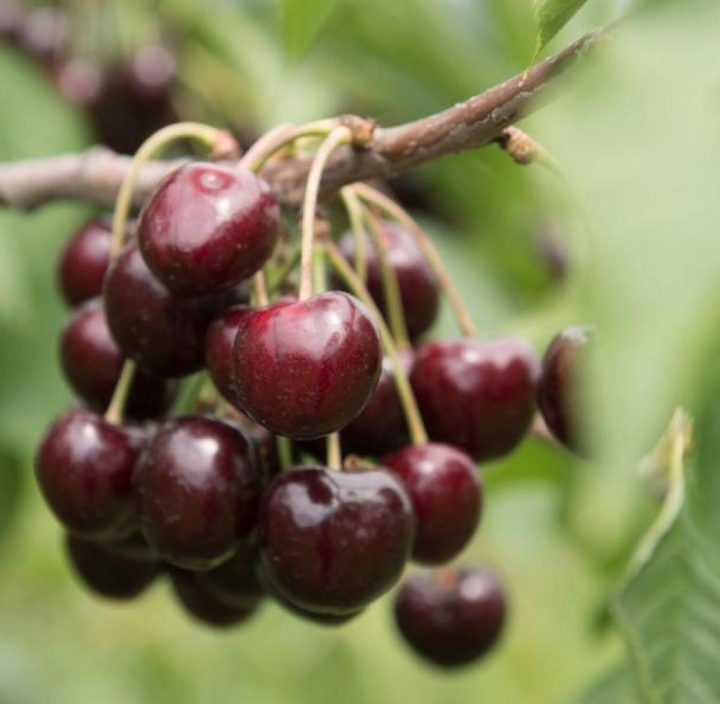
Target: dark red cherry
x,y
235,582
199,490
219,344
85,467
92,364
418,287
84,262
44,33
108,573
477,396
162,333
381,427
331,542
557,393
208,227
307,368
446,495
203,605
451,617
148,77
134,547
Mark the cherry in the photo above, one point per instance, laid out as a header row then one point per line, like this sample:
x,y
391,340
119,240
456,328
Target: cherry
x,y
149,76
331,542
162,333
219,343
80,81
85,467
235,582
84,262
44,33
451,617
199,491
381,427
11,20
477,396
208,227
92,364
134,547
557,389
307,368
446,495
203,605
106,572
418,287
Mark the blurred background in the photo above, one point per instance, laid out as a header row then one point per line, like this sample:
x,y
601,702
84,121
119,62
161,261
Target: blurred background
x,y
627,241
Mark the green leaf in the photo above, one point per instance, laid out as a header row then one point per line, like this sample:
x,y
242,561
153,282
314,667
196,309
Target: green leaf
x,y
302,21
552,16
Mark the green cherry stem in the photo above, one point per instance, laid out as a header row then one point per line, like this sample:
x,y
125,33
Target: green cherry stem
x,y
340,135
407,398
389,206
116,408
354,209
259,289
284,448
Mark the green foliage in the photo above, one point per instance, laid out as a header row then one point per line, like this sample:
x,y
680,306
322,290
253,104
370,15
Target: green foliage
x,y
302,21
552,16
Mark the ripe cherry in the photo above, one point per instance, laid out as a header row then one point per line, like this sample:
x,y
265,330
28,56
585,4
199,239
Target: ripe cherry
x,y
477,396
235,582
208,227
446,495
557,393
162,333
199,490
80,81
107,573
331,542
84,262
307,368
92,364
85,468
44,33
418,287
219,344
451,617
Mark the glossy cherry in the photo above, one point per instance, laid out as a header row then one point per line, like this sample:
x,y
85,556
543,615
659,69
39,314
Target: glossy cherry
x,y
84,262
208,227
162,333
85,467
107,573
204,606
451,617
92,364
446,495
557,392
477,396
331,542
418,287
307,368
219,345
198,490
235,582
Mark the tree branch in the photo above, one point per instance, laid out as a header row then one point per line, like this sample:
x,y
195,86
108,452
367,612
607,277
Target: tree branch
x,y
96,175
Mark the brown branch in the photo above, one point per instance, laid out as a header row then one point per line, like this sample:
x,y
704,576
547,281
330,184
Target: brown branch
x,y
96,175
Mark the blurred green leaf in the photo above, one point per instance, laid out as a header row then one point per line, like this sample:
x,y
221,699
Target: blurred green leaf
x,y
552,16
302,21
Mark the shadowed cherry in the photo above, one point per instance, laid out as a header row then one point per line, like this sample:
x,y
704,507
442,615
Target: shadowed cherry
x,y
235,582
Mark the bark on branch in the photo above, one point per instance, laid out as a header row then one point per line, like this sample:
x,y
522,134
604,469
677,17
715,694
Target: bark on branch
x,y
96,175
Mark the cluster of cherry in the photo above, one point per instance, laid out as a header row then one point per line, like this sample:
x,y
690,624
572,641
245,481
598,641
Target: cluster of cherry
x,y
249,496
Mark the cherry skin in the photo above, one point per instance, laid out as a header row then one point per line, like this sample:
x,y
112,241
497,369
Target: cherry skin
x,y
92,364
381,426
418,287
204,606
451,617
162,333
331,542
476,396
208,227
198,490
106,573
84,262
446,495
557,392
235,582
84,466
307,368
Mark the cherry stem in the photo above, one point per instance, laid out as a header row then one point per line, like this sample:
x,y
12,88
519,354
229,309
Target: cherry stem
x,y
354,209
334,451
284,449
339,135
407,398
260,291
211,136
116,408
391,287
395,211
